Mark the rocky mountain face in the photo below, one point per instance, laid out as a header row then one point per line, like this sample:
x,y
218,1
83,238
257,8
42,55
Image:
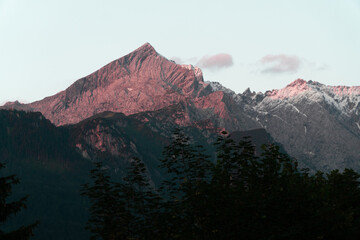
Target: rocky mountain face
x,y
140,81
317,124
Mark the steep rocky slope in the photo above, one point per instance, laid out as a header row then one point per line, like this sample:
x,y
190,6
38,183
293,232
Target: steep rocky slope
x,y
140,81
317,124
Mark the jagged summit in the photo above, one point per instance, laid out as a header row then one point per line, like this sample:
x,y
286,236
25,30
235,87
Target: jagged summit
x,y
300,86
293,89
142,80
248,92
297,82
146,45
15,105
12,103
145,49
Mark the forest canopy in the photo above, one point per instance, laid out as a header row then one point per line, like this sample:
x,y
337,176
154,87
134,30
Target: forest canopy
x,y
240,195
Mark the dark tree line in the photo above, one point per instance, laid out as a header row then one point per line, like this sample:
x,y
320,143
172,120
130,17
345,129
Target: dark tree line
x,y
10,208
239,196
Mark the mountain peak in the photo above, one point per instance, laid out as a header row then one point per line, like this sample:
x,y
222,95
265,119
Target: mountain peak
x,y
146,49
16,105
293,89
300,86
297,82
12,103
142,80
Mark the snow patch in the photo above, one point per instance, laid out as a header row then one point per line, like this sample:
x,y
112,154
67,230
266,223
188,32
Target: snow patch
x,y
281,119
297,110
258,120
345,99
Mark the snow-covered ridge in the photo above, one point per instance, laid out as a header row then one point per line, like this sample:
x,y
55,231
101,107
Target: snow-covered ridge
x,y
343,98
293,89
300,86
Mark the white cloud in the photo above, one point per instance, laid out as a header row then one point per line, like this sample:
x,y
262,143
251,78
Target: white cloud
x,y
218,61
280,63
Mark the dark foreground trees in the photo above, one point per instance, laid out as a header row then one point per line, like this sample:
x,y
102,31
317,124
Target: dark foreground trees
x,y
9,208
239,196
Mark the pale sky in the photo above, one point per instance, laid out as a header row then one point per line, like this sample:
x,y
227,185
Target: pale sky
x,y
46,45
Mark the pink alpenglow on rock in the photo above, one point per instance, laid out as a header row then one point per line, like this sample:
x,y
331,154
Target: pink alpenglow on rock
x,y
141,81
215,102
301,86
293,89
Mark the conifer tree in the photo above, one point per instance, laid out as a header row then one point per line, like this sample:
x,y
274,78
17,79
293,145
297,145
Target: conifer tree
x,y
188,170
108,215
141,201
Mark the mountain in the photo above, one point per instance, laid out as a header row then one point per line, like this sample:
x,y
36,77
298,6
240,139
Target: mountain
x,y
140,81
317,124
131,106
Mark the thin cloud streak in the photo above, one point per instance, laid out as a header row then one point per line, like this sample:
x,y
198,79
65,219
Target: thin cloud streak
x,y
215,62
280,63
323,67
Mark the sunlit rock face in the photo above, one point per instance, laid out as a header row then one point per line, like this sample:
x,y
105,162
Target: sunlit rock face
x,y
140,81
144,81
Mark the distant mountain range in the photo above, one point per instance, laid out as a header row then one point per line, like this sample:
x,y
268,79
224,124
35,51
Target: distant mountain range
x,y
317,124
